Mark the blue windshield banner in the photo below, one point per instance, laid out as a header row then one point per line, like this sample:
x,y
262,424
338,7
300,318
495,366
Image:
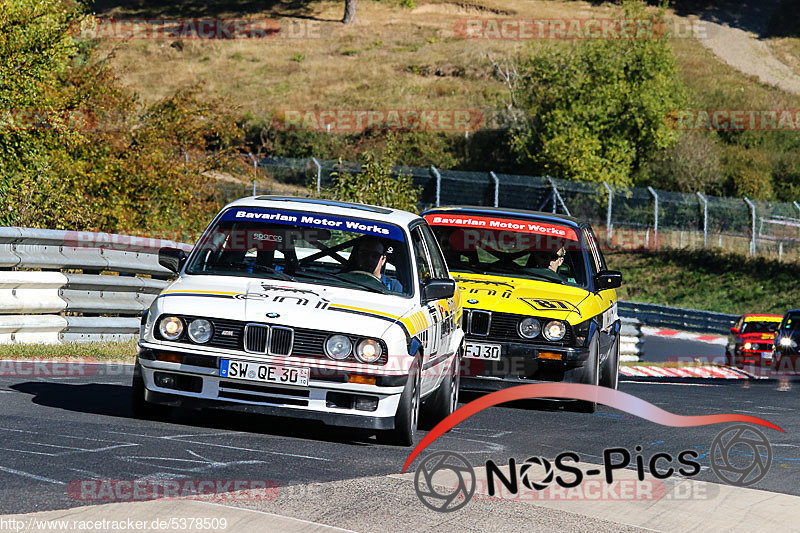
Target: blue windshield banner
x,y
315,220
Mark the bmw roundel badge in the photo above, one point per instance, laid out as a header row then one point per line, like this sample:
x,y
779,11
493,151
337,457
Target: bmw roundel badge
x,y
472,301
273,315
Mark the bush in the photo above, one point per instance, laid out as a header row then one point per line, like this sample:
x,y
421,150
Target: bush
x,y
596,109
693,164
376,184
118,167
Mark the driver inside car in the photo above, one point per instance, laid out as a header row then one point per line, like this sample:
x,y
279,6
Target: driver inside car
x,y
368,258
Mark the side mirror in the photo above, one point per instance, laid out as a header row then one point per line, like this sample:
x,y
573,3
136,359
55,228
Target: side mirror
x,y
437,289
735,331
607,279
171,258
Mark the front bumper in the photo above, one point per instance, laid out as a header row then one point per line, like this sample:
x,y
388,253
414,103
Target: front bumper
x,y
519,364
327,398
761,357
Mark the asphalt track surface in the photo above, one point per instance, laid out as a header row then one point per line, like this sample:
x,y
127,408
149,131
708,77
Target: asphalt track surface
x,y
54,431
657,349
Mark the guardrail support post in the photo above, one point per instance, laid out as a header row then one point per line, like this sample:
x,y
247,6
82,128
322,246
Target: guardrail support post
x,y
608,212
496,188
705,219
319,175
655,216
255,170
435,174
557,196
753,230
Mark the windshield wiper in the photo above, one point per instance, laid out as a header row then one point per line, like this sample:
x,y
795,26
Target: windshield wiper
x,y
265,268
471,268
242,271
329,276
522,272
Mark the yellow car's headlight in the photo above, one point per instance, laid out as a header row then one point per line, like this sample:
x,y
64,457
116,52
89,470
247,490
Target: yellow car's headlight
x,y
555,330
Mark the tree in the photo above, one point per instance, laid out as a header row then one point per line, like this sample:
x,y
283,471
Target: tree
x,y
349,11
377,183
596,110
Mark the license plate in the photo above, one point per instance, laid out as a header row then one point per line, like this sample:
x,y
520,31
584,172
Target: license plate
x,y
766,355
477,350
286,375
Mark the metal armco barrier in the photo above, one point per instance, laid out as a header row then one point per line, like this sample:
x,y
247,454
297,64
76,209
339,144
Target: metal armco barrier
x,y
42,299
630,347
681,319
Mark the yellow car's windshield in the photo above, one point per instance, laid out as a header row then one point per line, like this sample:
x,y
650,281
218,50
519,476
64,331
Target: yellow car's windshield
x,y
513,250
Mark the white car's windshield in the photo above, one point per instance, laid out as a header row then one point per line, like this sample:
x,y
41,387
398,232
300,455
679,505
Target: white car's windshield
x,y
309,247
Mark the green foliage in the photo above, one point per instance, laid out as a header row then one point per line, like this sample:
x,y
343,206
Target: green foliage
x,y
693,164
376,184
710,280
596,109
78,151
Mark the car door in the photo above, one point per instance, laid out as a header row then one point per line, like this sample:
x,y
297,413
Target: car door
x,y
433,338
607,299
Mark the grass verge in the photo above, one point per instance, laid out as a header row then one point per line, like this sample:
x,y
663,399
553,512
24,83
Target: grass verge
x,y
102,352
708,280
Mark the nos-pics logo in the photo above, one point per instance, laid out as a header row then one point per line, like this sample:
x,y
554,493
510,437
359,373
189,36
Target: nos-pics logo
x,y
445,481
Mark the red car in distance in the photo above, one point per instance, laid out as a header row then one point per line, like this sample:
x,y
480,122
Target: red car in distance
x,y
752,339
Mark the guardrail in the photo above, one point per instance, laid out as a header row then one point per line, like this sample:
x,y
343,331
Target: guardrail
x,y
630,347
677,318
60,286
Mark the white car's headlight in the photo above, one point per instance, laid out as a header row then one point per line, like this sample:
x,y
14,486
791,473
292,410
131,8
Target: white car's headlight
x,y
529,328
368,351
200,330
170,327
555,330
338,347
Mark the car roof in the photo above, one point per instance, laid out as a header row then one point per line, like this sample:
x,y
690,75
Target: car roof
x,y
329,207
757,316
503,211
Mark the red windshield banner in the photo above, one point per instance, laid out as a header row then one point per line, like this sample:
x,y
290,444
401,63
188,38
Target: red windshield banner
x,y
508,224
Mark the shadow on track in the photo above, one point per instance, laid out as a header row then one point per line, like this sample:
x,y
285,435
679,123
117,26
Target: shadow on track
x,y
115,400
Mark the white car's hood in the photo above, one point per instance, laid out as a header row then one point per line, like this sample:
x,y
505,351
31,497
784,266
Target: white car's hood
x,y
282,302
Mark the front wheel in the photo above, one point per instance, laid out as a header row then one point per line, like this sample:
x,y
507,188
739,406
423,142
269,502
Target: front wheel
x,y
588,374
609,376
407,417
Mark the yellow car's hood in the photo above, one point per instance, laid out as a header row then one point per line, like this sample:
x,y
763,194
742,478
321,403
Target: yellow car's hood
x,y
524,297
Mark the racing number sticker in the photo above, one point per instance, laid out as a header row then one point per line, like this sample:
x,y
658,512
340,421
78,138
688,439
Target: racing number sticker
x,y
541,304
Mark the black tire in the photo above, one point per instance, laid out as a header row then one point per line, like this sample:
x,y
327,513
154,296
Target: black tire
x,y
142,408
609,374
588,374
407,417
445,400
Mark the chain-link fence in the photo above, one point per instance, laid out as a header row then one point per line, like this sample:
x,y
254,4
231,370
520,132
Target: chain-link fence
x,y
623,217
